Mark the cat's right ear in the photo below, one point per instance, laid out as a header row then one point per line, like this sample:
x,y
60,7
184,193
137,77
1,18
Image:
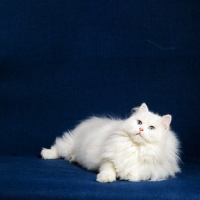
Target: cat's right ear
x,y
143,108
166,120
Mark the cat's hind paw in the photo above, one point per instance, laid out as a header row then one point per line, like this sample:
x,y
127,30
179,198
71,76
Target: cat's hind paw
x,y
133,177
49,153
105,177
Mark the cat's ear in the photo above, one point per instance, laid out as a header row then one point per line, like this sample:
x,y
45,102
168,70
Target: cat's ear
x,y
166,120
143,108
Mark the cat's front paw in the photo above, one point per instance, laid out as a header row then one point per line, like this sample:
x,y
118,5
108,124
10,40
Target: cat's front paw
x,y
105,177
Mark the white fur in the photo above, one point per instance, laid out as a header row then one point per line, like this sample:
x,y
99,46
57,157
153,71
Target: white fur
x,y
124,149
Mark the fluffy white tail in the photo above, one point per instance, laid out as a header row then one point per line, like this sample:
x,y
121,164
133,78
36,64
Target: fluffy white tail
x,y
63,148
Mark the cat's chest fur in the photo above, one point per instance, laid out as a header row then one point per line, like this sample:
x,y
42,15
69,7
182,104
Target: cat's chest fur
x,y
129,157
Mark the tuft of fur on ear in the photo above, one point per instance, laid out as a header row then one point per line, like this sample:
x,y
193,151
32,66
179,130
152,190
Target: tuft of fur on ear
x,y
143,108
166,120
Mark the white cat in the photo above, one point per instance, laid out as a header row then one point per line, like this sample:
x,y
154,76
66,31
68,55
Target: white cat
x,y
141,147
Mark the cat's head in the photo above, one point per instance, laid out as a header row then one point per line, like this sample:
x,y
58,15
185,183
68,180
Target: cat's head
x,y
146,127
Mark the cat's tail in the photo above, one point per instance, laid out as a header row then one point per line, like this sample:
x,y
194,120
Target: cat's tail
x,y
63,148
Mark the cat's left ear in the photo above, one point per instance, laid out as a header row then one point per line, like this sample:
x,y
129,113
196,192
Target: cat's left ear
x,y
143,108
166,120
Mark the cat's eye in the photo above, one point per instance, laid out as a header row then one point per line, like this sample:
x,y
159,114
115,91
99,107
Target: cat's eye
x,y
151,127
139,122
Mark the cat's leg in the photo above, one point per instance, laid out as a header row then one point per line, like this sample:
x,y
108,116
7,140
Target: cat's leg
x,y
49,153
107,172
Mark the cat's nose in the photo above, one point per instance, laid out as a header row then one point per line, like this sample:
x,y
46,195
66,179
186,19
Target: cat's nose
x,y
141,129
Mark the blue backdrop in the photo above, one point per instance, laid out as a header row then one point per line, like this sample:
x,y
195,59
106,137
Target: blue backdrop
x,y
62,61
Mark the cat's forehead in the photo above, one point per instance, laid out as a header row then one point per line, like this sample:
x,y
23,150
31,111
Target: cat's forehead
x,y
148,117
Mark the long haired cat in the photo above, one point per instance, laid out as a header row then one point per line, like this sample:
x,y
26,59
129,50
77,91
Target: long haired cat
x,y
142,147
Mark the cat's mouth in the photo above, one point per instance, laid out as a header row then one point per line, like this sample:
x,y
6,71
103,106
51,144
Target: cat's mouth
x,y
139,134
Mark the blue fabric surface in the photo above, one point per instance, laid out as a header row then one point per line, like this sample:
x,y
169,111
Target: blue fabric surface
x,y
34,178
62,61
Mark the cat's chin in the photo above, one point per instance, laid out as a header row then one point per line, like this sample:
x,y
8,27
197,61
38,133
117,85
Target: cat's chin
x,y
137,138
